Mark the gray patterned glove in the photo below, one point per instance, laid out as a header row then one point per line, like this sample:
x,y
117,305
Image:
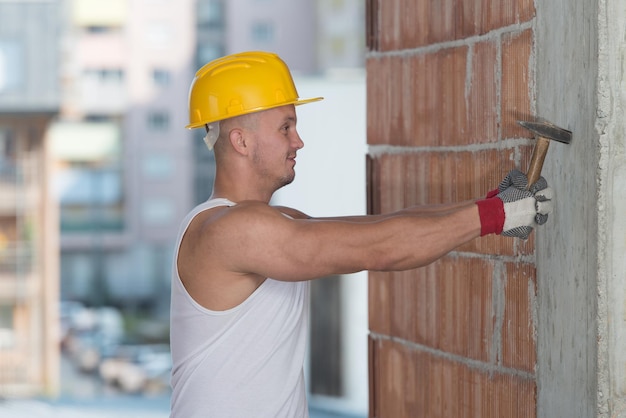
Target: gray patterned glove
x,y
516,211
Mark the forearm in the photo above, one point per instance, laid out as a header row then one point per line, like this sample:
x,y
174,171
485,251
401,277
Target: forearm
x,y
438,209
417,239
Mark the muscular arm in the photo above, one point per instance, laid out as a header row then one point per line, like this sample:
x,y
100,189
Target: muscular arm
x,y
258,239
415,210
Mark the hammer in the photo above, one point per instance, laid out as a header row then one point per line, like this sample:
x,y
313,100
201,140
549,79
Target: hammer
x,y
544,133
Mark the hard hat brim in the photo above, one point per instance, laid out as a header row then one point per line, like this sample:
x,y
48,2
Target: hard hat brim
x,y
247,111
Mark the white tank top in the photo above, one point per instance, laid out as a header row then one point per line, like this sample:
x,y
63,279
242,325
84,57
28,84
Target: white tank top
x,y
243,362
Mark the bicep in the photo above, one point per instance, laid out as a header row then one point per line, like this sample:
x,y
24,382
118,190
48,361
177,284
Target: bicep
x,y
265,242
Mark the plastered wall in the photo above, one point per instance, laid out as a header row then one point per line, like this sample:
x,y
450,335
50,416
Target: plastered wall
x,y
566,92
580,57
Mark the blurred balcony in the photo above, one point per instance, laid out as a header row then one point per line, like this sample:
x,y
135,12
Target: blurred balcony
x,y
18,190
18,281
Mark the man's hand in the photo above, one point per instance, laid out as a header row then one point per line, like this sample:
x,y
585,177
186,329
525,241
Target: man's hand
x,y
516,211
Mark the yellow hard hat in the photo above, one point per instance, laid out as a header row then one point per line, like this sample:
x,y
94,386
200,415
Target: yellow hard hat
x,y
238,84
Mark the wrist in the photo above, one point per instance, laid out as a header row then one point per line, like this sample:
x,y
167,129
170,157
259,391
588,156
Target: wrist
x,y
491,213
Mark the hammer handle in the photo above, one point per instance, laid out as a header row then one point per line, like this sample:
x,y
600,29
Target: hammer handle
x,y
536,162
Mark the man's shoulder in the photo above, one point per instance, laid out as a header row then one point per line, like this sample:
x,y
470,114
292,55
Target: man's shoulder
x,y
243,215
250,209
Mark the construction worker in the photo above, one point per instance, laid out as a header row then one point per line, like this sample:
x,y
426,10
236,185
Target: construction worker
x,y
240,290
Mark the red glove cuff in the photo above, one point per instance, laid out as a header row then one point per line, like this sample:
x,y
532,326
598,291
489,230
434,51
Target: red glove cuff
x,y
491,212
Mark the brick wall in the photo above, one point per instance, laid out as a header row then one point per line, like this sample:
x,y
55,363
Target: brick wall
x,y
446,81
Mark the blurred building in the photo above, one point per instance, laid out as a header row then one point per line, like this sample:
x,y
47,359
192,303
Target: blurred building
x,y
93,96
340,34
123,176
311,36
29,100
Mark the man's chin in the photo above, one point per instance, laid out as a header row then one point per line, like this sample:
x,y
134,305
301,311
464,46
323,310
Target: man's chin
x,y
286,181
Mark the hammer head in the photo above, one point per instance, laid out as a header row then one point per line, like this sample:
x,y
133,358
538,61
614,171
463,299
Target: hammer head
x,y
547,130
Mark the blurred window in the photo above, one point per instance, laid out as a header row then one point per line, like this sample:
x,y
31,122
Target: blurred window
x,y
91,199
208,52
99,29
7,155
89,183
93,117
7,334
158,121
158,166
157,211
210,13
161,77
105,75
89,186
11,65
262,32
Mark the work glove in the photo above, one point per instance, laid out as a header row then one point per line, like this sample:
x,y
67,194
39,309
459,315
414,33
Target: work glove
x,y
515,211
514,178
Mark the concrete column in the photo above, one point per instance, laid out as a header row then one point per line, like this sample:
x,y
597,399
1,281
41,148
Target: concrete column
x,y
581,263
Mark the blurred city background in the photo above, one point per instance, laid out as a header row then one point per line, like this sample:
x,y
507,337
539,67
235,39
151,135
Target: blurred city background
x,y
97,170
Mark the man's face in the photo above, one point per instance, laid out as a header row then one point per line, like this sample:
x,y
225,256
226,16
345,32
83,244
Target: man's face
x,y
276,144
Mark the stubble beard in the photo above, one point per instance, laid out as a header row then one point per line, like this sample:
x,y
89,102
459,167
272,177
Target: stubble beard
x,y
266,173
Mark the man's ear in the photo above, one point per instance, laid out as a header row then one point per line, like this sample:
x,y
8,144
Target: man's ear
x,y
237,139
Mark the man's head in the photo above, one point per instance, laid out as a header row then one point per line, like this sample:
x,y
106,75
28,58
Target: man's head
x,y
262,144
237,85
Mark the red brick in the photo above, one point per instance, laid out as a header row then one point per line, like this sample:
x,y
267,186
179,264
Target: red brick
x,y
390,24
501,13
518,329
469,19
441,21
407,24
439,113
452,112
453,307
371,25
379,82
482,111
516,82
411,383
425,98
416,25
379,302
428,100
447,305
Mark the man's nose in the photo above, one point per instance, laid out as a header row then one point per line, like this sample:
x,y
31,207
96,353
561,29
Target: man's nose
x,y
298,142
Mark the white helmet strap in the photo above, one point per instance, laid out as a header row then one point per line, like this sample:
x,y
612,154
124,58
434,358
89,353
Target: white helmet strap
x,y
212,132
